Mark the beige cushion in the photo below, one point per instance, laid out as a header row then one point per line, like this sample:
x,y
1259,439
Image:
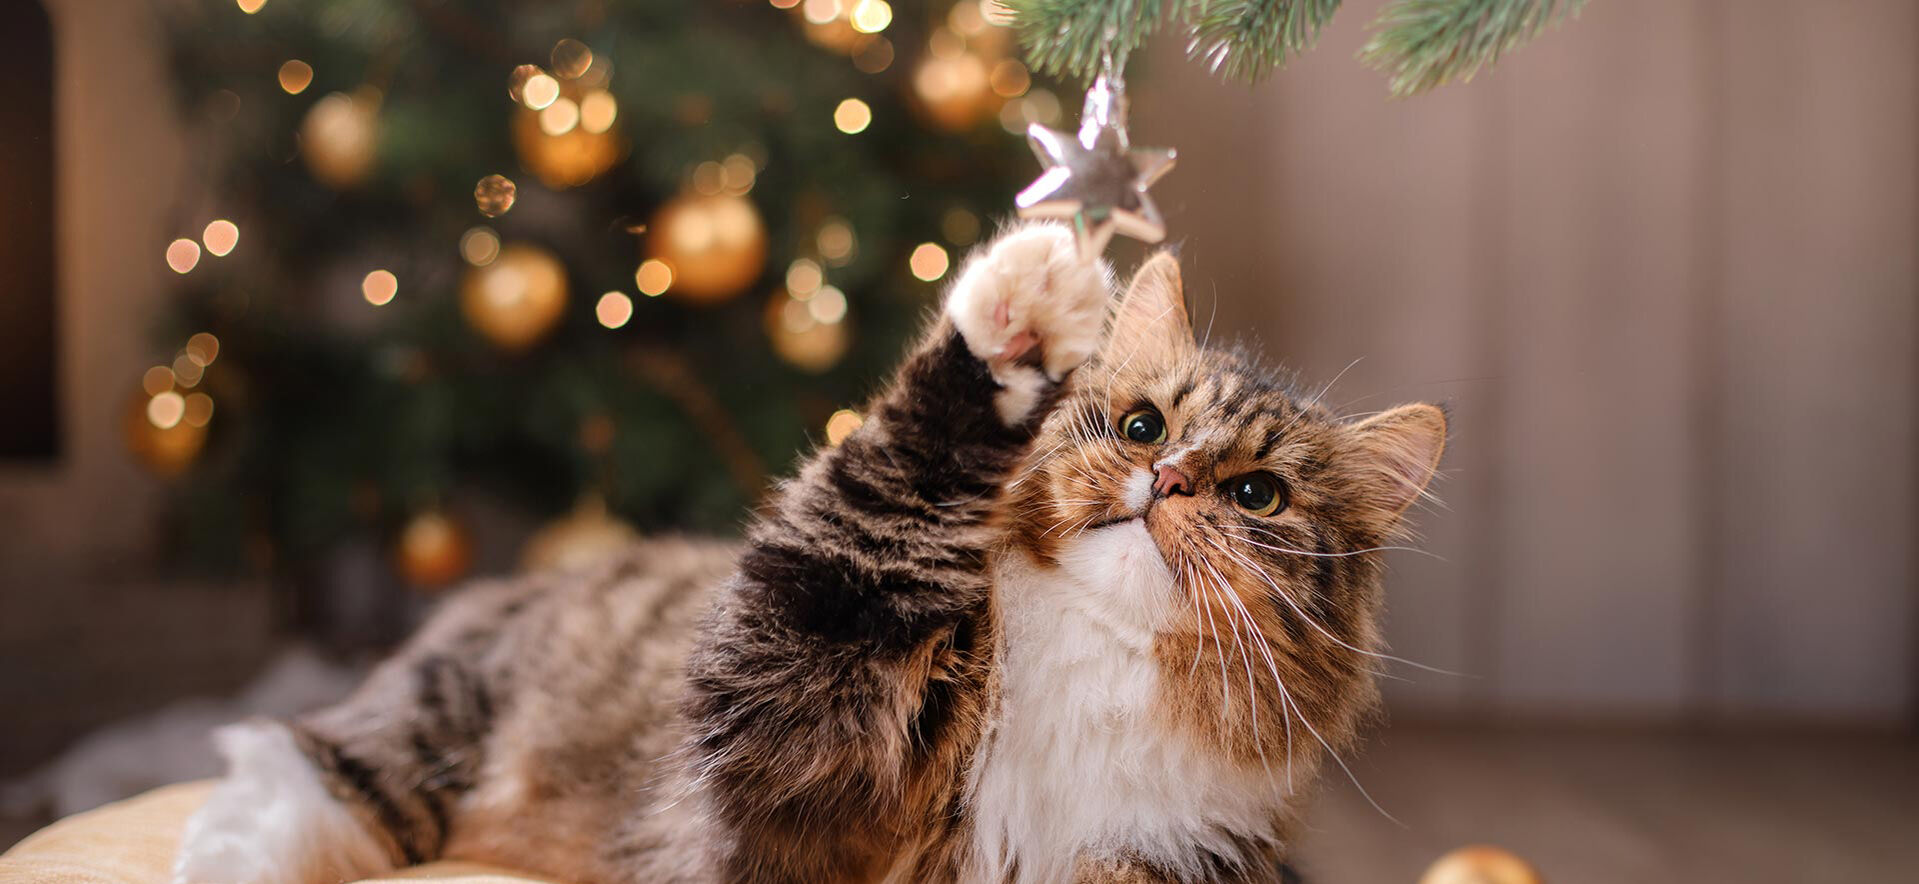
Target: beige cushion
x,y
133,842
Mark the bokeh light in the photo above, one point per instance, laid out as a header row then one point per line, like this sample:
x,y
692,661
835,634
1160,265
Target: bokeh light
x,y
560,117
653,278
220,237
186,372
1010,79
614,309
198,410
871,16
479,246
928,262
379,287
183,255
166,409
841,425
251,6
539,91
852,116
804,277
598,110
571,58
494,195
875,56
960,226
827,306
203,348
820,12
836,241
295,76
157,380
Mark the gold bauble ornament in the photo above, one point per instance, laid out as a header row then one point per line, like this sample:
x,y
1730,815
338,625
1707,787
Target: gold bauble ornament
x,y
580,539
158,433
517,298
340,136
954,89
810,333
1480,864
715,244
572,140
432,551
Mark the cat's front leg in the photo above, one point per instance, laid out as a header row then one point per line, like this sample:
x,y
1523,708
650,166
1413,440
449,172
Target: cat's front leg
x,y
842,681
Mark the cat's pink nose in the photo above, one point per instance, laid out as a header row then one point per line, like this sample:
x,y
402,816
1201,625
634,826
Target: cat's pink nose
x,y
1171,481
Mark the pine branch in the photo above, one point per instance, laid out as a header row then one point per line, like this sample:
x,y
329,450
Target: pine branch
x,y
1422,44
1248,39
1073,36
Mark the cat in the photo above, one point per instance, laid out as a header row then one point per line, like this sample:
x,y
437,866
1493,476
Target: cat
x,y
1080,601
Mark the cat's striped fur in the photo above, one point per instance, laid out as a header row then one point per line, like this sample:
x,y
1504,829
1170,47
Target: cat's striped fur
x,y
976,641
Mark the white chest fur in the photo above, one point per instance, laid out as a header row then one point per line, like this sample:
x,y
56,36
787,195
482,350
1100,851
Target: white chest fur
x,y
1077,761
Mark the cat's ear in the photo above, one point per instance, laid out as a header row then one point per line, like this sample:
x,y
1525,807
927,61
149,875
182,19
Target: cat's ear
x,y
1395,455
1151,323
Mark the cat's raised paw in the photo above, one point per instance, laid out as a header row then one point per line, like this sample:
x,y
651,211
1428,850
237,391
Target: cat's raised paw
x,y
1031,300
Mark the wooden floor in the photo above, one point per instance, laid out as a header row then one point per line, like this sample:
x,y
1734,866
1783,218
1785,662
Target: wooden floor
x,y
1615,807
1626,807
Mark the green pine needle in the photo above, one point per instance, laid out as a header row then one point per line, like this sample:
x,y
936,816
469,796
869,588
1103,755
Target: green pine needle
x,y
1073,36
1248,39
1422,44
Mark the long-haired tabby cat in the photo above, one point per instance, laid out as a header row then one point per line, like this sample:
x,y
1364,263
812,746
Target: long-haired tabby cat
x,y
1081,601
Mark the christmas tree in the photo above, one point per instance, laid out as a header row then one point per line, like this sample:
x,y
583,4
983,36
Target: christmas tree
x,y
640,251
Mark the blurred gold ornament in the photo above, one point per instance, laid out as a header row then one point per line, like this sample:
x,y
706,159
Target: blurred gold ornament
x,y
517,298
580,539
713,245
493,196
1480,864
432,550
158,433
340,136
569,138
955,90
810,333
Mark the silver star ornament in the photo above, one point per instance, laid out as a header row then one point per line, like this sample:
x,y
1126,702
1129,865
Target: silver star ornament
x,y
1097,180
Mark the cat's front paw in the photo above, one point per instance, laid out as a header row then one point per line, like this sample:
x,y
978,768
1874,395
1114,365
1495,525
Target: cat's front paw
x,y
1031,299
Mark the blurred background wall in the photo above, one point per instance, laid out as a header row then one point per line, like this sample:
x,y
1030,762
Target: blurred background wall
x,y
1661,263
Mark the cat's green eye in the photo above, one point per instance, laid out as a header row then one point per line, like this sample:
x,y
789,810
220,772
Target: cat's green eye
x,y
1144,425
1257,493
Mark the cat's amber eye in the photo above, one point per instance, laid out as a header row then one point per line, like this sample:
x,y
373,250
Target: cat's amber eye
x,y
1257,493
1144,425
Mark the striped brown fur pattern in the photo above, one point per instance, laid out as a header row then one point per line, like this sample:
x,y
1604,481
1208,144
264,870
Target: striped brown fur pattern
x,y
832,700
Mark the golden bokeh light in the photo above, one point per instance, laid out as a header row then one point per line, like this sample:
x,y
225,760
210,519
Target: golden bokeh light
x,y
494,195
598,110
804,277
875,56
571,58
737,174
820,12
157,380
852,116
966,18
841,425
560,117
614,309
166,409
220,237
959,226
186,372
183,255
653,278
784,4
251,6
827,306
516,81
379,287
801,339
198,410
295,76
709,178
203,348
928,262
539,91
870,16
1010,79
479,246
836,241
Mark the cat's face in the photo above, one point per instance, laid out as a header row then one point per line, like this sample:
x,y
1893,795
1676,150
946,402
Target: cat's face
x,y
1266,508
